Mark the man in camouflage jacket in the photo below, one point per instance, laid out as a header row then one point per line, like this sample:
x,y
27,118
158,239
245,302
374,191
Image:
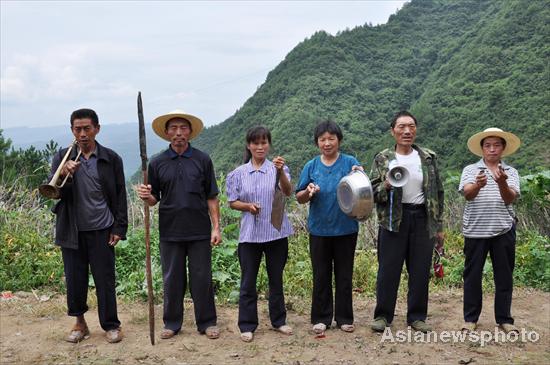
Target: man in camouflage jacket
x,y
389,216
410,223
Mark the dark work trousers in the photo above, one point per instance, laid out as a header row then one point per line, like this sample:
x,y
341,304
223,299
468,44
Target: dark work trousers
x,y
173,257
325,252
412,245
503,255
93,251
250,256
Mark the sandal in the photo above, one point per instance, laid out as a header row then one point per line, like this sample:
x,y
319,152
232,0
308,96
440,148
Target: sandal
x,y
78,334
319,328
508,328
247,336
284,329
212,332
167,333
468,327
347,328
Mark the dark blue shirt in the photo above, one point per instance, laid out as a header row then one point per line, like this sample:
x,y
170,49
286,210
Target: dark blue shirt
x,y
325,216
182,184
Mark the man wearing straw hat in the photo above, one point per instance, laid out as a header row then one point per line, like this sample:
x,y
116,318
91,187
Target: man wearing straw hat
x,y
490,187
182,179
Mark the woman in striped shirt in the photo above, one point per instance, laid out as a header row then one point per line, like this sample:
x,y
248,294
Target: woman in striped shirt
x,y
490,187
250,189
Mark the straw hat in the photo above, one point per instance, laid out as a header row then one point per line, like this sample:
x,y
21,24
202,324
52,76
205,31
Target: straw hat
x,y
512,141
159,124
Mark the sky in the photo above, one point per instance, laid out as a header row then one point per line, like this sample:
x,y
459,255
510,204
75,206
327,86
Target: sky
x,y
204,57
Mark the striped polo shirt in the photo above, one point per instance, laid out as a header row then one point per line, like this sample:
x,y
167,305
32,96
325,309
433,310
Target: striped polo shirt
x,y
248,185
487,215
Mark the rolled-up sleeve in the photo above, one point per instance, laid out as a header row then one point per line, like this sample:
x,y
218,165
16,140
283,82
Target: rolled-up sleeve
x,y
233,186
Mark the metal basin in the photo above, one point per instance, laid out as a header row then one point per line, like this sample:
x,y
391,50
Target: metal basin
x,y
354,194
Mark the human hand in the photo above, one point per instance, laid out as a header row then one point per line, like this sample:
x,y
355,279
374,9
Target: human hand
x,y
113,239
70,167
215,237
254,208
500,175
357,167
279,162
387,185
481,179
439,241
312,189
144,191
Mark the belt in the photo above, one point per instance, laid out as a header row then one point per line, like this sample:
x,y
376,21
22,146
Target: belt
x,y
407,206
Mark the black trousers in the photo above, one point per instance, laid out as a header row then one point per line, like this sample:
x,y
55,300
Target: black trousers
x,y
412,245
173,257
503,254
94,252
326,252
250,256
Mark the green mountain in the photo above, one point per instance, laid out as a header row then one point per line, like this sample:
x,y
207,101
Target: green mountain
x,y
459,66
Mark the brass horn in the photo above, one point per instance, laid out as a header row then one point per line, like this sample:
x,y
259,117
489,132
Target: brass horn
x,y
52,190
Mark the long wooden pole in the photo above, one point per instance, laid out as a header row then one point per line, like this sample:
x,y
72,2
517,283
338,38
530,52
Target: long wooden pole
x,y
143,154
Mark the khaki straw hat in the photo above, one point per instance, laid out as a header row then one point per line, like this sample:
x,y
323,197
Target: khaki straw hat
x,y
512,141
159,124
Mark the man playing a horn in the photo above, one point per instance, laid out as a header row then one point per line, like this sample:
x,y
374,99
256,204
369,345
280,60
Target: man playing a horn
x,y
91,217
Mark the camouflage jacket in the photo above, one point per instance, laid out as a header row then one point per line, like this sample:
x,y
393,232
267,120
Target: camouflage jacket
x,y
389,215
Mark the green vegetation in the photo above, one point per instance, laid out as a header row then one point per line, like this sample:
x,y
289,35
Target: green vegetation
x,y
29,259
459,66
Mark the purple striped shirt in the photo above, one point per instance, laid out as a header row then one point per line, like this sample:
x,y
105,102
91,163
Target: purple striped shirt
x,y
249,185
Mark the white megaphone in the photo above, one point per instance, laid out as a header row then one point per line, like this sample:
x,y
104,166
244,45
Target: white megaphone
x,y
398,175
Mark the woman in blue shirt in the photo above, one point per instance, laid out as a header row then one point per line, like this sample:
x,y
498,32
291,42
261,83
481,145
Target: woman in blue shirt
x,y
250,189
332,234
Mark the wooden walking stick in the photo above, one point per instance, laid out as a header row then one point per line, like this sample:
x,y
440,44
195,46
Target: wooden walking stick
x,y
143,154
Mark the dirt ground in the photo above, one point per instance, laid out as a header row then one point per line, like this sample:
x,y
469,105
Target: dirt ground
x,y
32,328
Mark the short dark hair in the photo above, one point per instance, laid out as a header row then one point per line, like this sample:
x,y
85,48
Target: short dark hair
x,y
402,113
483,140
85,114
254,134
178,118
327,126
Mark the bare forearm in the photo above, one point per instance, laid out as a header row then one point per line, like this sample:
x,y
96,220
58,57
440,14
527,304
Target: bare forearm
x,y
508,194
214,211
302,196
286,186
471,191
240,206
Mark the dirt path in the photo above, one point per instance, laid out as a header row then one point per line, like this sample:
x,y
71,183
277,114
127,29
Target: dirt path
x,y
33,332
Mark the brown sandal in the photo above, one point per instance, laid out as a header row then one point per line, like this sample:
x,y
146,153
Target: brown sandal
x,y
78,334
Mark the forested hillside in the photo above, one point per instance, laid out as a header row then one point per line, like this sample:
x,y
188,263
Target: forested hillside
x,y
460,66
